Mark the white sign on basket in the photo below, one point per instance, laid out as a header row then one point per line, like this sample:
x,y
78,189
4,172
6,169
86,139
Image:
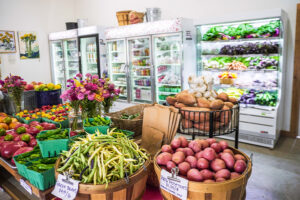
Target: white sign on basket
x,y
177,187
25,186
65,188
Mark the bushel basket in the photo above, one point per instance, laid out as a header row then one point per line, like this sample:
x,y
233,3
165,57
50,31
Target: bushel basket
x,y
135,125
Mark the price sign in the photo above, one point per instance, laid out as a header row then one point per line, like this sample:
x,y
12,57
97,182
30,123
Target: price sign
x,y
65,188
25,186
177,186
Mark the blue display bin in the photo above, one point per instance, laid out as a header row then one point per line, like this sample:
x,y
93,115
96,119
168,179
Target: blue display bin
x,y
48,98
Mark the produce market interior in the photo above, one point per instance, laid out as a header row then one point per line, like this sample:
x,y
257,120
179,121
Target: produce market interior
x,y
151,100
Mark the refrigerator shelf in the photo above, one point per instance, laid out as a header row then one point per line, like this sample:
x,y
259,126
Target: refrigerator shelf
x,y
124,74
172,85
142,100
240,55
120,84
137,57
175,64
141,67
167,93
164,51
136,76
248,70
119,62
140,86
257,106
245,87
242,40
116,51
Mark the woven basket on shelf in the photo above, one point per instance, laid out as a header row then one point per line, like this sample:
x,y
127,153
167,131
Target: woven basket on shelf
x,y
135,125
122,17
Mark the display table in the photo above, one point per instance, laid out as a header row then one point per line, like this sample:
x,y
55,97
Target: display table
x,y
38,193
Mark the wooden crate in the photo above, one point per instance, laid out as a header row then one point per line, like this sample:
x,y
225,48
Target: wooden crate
x,y
234,189
116,190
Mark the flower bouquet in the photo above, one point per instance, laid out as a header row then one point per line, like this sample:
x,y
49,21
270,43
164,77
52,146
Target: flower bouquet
x,y
14,86
110,94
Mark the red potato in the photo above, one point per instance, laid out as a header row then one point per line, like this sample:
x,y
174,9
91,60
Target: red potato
x,y
184,167
209,154
234,175
187,123
204,144
209,181
223,173
217,164
182,150
184,142
167,148
170,165
195,146
240,166
188,151
211,140
192,160
228,151
195,175
220,179
239,157
202,163
228,159
199,155
207,174
216,146
178,157
163,158
176,143
223,144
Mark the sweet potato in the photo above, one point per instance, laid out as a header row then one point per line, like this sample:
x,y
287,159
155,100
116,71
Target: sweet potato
x,y
217,164
240,166
195,114
171,100
202,126
204,143
223,96
167,148
233,100
228,104
187,123
184,167
203,102
179,105
228,159
216,104
194,175
223,144
225,115
202,163
163,158
223,173
195,146
176,143
207,174
239,157
192,160
234,175
209,154
216,146
188,151
184,142
220,179
170,165
186,98
178,157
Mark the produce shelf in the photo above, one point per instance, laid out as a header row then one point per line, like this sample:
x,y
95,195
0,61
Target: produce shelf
x,y
44,195
243,40
245,87
262,107
240,55
247,70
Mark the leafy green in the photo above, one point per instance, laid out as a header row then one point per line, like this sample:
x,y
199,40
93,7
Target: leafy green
x,y
213,33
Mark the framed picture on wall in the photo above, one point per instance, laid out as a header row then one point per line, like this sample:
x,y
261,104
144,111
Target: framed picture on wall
x,y
7,42
28,45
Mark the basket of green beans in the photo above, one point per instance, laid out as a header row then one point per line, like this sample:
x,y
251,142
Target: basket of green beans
x,y
90,125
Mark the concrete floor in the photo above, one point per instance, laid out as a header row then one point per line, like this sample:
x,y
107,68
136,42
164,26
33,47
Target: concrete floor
x,y
275,174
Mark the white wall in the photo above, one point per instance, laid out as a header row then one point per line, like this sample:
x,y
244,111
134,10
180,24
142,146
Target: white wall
x,y
103,12
41,16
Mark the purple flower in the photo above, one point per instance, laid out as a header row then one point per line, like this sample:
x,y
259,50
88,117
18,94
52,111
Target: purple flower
x,y
111,87
1,82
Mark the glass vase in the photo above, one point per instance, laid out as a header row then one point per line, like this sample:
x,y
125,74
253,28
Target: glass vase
x,y
16,99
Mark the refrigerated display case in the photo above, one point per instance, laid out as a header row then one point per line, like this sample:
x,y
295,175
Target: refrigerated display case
x,y
58,70
146,60
168,65
71,58
117,67
89,54
246,59
141,68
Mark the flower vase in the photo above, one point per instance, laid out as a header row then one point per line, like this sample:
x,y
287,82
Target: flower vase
x,y
16,98
106,109
75,122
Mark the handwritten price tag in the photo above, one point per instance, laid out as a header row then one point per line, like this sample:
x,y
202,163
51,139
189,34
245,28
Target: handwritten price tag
x,y
25,186
177,187
65,188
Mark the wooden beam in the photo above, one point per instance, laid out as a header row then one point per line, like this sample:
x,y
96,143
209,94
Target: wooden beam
x,y
294,126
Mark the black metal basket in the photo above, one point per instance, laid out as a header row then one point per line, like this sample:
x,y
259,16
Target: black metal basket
x,y
210,123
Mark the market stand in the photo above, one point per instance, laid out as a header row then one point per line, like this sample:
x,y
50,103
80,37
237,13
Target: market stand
x,y
46,194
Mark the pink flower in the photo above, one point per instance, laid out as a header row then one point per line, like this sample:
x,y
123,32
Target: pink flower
x,y
79,75
88,75
91,97
80,96
111,86
95,77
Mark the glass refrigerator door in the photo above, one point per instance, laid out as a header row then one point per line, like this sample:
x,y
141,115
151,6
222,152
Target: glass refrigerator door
x,y
57,61
89,55
167,61
117,66
71,58
140,70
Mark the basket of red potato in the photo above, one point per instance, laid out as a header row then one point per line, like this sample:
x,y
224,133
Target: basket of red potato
x,y
212,168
